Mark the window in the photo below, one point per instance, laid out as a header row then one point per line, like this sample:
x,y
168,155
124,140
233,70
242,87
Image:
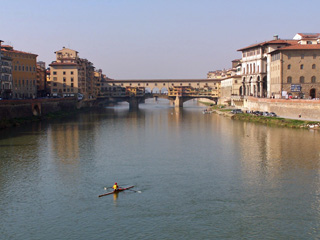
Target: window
x,y
289,56
314,56
289,80
301,79
54,84
54,78
289,66
71,84
72,81
71,72
302,56
54,73
64,73
301,66
313,66
64,79
313,79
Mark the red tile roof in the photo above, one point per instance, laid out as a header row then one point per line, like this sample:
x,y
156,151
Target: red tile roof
x,y
309,35
9,49
278,41
301,47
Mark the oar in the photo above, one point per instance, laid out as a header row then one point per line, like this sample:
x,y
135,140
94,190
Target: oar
x,y
135,191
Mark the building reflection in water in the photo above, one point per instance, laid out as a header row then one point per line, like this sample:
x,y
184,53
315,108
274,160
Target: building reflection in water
x,y
64,142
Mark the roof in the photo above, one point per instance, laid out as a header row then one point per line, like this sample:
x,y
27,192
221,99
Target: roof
x,y
278,41
9,49
309,35
64,48
300,47
63,64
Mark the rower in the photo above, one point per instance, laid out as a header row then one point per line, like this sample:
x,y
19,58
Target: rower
x,y
115,187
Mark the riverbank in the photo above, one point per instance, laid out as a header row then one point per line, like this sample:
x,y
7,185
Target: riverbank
x,y
14,122
272,121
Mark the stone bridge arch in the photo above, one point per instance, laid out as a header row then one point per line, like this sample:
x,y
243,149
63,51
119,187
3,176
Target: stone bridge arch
x,y
36,109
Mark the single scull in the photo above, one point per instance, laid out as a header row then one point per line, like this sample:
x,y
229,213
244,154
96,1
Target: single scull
x,y
116,191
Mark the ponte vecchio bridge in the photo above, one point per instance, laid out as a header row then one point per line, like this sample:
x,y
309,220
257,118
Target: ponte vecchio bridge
x,y
177,91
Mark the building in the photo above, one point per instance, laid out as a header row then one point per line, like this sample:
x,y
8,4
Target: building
x,y
282,68
230,89
294,69
5,76
70,75
23,72
64,73
41,79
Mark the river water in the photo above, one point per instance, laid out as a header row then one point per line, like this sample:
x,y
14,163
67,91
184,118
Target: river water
x,y
196,176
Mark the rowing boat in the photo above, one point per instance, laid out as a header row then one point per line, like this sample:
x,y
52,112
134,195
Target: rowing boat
x,y
116,191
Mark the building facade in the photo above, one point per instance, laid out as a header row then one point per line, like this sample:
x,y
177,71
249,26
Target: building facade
x,y
282,68
71,75
24,73
294,70
255,67
41,79
5,76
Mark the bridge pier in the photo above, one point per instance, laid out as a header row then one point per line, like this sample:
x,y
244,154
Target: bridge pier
x,y
134,103
178,102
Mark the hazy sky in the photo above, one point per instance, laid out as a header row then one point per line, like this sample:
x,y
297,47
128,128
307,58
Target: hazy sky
x,y
132,39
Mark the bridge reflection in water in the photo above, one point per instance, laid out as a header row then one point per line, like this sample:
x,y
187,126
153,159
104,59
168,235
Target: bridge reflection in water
x,y
177,91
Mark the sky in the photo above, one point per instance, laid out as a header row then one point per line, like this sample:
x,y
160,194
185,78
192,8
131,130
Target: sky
x,y
152,39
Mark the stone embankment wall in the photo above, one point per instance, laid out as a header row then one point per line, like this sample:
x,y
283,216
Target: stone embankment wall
x,y
10,109
290,108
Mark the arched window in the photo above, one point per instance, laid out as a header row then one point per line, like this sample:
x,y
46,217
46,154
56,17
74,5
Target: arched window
x,y
313,66
313,79
301,79
301,66
289,79
289,66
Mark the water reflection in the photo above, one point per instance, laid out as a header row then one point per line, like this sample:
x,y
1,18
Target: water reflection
x,y
259,181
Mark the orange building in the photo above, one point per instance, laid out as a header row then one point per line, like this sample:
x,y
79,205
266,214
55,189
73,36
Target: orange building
x,y
24,72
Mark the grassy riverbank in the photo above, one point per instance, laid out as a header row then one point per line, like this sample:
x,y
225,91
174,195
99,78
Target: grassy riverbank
x,y
272,121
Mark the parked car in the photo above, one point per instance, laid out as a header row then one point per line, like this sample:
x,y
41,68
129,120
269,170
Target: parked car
x,y
266,114
272,114
236,111
256,113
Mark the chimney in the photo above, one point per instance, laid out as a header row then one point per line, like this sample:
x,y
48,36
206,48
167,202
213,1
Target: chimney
x,y
275,37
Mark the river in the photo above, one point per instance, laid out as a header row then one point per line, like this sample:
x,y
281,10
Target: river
x,y
196,176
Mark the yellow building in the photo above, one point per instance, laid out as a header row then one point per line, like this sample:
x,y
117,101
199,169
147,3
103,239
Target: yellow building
x,y
70,75
24,72
64,73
